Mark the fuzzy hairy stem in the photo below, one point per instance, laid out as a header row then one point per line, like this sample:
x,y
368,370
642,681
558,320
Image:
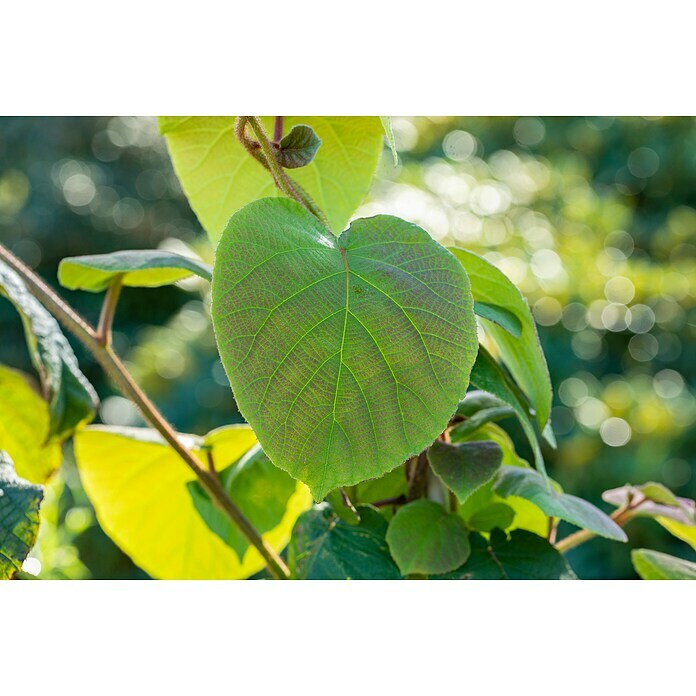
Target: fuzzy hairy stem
x,y
289,187
111,364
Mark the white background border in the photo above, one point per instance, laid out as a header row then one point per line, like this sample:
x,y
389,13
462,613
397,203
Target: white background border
x,y
361,57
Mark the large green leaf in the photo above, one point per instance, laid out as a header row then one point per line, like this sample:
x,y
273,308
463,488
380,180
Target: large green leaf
x,y
346,355
19,517
523,354
324,547
652,565
524,556
24,427
219,177
466,466
528,484
138,486
260,490
148,268
72,399
424,538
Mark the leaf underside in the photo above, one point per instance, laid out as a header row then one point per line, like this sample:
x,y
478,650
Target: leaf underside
x,y
139,268
346,356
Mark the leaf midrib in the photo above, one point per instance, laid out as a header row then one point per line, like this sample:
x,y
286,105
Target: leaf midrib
x,y
340,369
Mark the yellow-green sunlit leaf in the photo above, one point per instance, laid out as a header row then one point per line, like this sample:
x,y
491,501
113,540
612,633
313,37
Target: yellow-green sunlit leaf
x,y
138,486
219,176
24,428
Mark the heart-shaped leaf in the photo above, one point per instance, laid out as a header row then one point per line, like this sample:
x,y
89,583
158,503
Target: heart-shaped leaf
x,y
466,466
72,400
527,483
147,268
424,538
325,547
524,556
24,424
298,148
138,486
349,355
653,565
522,354
19,517
219,176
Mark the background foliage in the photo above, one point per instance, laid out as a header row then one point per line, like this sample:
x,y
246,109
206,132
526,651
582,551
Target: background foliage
x,y
593,218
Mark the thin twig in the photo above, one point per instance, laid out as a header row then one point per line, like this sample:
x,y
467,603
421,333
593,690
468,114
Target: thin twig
x,y
106,318
278,129
114,368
